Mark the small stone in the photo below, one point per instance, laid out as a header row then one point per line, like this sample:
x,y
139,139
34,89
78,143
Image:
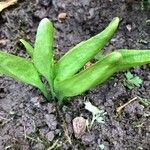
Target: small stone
x,y
62,16
128,26
50,135
51,121
21,106
4,42
50,108
35,101
79,126
88,139
91,13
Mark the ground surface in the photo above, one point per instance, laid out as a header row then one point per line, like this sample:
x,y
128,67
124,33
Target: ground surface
x,y
28,122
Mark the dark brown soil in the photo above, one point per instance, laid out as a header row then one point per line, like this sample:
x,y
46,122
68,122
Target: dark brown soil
x,y
28,122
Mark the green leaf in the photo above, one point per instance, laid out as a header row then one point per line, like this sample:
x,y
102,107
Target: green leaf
x,y
21,69
88,78
28,47
129,75
132,80
133,58
75,58
99,56
43,51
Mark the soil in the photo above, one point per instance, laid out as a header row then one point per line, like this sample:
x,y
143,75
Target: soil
x,y
28,122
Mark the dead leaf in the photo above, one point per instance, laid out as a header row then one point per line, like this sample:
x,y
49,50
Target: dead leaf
x,y
7,3
88,64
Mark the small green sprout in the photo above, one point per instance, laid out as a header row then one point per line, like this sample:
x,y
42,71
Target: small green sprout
x,y
132,81
97,114
67,76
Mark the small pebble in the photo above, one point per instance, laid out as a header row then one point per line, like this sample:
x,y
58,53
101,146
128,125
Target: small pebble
x,y
79,126
61,17
128,26
50,135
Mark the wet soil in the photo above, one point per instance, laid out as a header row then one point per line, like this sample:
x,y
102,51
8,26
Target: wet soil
x,y
28,122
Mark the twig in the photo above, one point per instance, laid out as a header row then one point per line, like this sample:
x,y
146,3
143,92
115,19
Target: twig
x,y
118,110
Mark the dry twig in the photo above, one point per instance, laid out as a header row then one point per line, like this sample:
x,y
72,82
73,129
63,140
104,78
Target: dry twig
x,y
118,110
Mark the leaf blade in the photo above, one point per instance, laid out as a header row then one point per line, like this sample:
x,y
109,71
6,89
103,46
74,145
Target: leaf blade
x,y
75,58
20,69
28,47
88,78
133,58
43,55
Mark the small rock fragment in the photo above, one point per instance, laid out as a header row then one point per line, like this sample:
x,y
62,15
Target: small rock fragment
x,y
51,121
79,126
3,42
62,16
50,135
128,26
35,101
88,138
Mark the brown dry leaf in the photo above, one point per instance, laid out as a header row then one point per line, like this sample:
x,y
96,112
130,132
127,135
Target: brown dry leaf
x,y
88,64
7,3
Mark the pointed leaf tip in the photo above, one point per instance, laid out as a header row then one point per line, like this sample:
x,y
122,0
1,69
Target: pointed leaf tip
x,y
45,21
116,19
43,51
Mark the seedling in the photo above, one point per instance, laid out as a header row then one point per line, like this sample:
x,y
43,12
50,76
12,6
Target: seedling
x,y
67,77
97,114
132,81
